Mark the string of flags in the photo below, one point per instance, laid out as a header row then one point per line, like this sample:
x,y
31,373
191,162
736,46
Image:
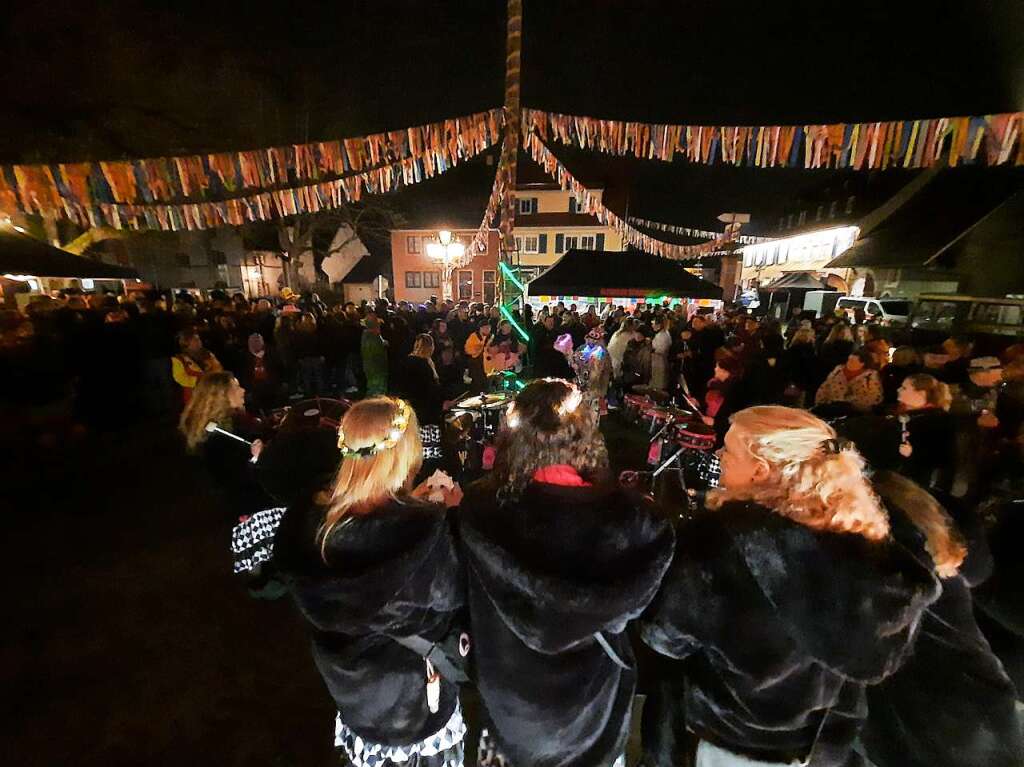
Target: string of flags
x,y
479,241
990,139
199,191
591,204
686,231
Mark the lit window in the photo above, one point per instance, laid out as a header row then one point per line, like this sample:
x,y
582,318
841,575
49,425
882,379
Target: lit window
x,y
465,285
431,279
490,281
529,244
413,279
412,244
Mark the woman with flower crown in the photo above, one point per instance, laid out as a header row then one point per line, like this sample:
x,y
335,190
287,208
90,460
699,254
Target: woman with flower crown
x,y
372,567
559,559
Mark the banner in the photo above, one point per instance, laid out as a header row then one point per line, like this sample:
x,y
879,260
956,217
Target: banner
x,y
589,203
861,146
100,193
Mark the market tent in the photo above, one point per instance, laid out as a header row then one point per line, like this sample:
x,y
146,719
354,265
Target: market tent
x,y
22,254
796,281
620,274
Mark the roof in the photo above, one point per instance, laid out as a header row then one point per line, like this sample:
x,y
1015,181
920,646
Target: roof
x,y
797,281
22,254
366,269
548,220
949,206
623,274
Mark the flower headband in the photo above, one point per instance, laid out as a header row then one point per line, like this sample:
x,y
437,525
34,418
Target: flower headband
x,y
398,426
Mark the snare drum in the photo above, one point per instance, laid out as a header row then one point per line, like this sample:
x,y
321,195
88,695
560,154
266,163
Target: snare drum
x,y
633,405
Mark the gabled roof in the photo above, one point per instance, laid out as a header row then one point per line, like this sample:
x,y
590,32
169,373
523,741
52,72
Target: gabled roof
x,y
366,269
22,254
623,274
944,210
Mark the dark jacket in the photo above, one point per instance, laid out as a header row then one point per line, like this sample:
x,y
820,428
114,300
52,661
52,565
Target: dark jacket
x,y
415,382
951,703
782,627
392,572
229,465
545,573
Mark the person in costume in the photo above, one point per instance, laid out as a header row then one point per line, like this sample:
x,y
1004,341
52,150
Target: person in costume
x,y
374,351
373,570
784,601
191,362
593,367
559,559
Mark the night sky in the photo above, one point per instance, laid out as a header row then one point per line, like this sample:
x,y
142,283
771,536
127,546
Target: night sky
x,y
122,79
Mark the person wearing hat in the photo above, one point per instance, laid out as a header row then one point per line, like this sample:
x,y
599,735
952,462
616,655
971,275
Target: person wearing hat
x,y
374,351
593,367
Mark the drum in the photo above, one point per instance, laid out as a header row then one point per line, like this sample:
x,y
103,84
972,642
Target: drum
x,y
694,435
658,417
485,402
633,405
307,414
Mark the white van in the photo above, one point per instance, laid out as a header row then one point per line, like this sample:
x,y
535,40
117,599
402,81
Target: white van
x,y
888,311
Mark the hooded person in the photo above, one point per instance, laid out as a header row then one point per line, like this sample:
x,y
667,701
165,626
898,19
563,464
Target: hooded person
x,y
559,560
373,570
784,601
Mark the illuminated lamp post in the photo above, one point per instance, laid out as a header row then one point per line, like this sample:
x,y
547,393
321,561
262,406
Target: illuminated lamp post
x,y
447,251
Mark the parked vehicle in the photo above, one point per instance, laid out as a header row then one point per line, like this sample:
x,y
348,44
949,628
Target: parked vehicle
x,y
887,311
994,322
821,302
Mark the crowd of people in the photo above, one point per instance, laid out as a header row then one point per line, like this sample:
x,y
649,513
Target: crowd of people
x,y
850,590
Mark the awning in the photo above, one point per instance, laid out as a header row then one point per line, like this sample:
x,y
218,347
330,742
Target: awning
x,y
25,255
796,281
618,274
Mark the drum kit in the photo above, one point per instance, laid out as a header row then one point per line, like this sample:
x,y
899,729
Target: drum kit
x,y
471,427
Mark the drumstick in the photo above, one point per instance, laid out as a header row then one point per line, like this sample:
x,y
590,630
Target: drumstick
x,y
211,427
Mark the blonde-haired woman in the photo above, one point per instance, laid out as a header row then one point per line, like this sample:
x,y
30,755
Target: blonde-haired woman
x,y
219,401
928,446
559,559
418,382
787,598
372,568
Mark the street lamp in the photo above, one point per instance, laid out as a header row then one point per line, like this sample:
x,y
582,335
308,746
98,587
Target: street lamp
x,y
446,251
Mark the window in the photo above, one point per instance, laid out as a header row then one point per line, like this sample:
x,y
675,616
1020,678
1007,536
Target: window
x,y
849,203
490,277
587,241
465,285
431,279
413,279
218,258
821,212
182,259
527,244
571,242
574,206
527,205
832,208
412,244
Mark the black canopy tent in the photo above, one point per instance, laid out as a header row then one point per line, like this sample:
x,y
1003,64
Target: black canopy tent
x,y
26,256
620,274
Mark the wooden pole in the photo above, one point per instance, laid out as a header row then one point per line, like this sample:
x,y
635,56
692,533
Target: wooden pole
x,y
510,147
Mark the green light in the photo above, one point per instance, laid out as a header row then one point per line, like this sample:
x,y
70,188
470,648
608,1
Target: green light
x,y
519,384
511,277
512,320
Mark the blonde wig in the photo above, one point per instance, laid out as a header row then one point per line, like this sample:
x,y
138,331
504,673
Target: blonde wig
x,y
209,403
364,481
549,424
937,393
810,479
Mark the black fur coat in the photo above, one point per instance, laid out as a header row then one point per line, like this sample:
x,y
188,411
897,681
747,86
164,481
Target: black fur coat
x,y
781,628
546,572
392,572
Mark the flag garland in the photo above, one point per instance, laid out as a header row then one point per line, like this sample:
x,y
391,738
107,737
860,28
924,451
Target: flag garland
x,y
494,203
289,201
590,204
987,140
101,193
686,231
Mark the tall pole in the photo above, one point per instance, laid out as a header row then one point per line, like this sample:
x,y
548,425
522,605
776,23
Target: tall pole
x,y
510,147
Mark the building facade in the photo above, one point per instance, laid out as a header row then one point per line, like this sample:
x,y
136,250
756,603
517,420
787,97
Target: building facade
x,y
548,225
417,277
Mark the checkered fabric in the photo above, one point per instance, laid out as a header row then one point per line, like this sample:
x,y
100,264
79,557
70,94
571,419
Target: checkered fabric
x,y
252,539
431,438
442,749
